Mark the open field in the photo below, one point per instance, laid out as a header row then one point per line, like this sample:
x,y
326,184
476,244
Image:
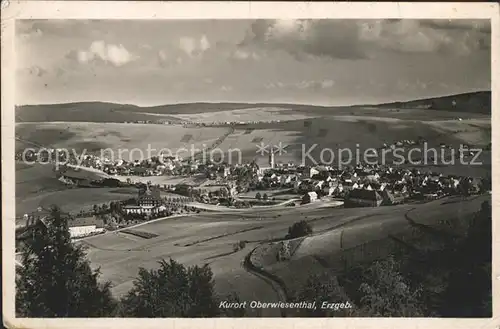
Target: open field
x,y
347,132
208,238
245,115
96,136
35,179
197,231
75,199
270,193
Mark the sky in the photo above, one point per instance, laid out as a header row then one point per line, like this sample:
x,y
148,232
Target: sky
x,y
323,62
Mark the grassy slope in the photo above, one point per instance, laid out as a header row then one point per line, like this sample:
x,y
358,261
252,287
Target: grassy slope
x,y
370,237
73,200
32,180
97,136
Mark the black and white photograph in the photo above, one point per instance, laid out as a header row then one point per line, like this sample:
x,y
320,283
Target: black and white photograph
x,y
252,167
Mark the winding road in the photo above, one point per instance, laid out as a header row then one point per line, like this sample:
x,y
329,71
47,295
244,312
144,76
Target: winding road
x,y
273,283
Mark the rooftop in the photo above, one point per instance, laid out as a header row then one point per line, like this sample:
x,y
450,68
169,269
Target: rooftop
x,y
365,195
149,192
86,221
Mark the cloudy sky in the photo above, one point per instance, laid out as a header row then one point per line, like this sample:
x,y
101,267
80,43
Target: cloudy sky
x,y
332,62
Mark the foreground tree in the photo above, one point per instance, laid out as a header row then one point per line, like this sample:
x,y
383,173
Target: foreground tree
x,y
325,290
469,292
387,293
56,280
172,291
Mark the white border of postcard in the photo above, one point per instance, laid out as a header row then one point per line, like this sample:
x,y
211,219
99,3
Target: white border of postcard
x,y
12,10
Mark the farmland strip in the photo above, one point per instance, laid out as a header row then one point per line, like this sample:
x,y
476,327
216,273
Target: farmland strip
x,y
222,236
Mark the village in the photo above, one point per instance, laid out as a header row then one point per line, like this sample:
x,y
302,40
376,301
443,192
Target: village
x,y
241,186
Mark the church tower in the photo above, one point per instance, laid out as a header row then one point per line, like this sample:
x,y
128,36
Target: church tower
x,y
271,158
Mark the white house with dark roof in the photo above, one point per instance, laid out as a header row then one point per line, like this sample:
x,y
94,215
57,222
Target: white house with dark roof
x,y
309,197
81,227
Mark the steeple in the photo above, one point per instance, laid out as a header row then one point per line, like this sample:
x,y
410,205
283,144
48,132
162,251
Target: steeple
x,y
148,190
271,158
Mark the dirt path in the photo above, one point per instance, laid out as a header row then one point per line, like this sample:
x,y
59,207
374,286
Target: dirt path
x,y
275,285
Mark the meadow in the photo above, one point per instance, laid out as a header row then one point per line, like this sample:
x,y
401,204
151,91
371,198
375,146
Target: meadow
x,y
73,199
94,137
35,179
208,238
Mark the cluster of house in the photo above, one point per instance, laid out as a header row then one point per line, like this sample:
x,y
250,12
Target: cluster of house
x,y
366,185
154,122
375,186
156,166
404,142
227,123
421,140
150,167
78,227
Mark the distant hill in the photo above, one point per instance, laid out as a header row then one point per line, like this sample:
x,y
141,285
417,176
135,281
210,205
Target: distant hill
x,y
87,112
474,102
113,112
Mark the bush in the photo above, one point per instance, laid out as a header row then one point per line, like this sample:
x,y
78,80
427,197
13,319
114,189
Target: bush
x,y
239,246
284,251
299,229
